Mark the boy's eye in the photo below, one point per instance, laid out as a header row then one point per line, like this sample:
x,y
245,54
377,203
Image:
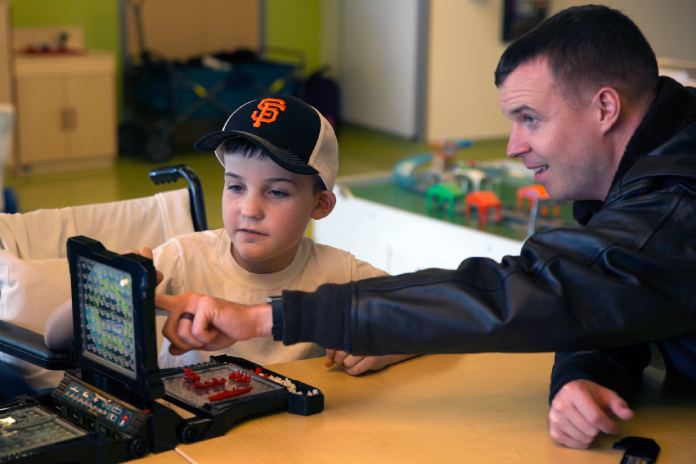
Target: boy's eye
x,y
235,188
277,193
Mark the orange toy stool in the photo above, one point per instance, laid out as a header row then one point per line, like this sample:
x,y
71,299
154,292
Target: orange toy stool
x,y
482,201
534,193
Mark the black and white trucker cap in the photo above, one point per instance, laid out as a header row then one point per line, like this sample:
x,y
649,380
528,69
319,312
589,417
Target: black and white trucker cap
x,y
294,134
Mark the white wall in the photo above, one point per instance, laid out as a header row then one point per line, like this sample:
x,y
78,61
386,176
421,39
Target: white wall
x,y
464,45
399,241
379,51
669,25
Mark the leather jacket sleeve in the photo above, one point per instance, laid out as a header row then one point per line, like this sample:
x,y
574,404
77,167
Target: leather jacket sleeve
x,y
620,369
624,278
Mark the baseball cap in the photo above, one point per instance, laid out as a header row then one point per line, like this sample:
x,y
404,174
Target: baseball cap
x,y
294,134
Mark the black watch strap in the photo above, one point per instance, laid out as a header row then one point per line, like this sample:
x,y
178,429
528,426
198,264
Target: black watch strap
x,y
277,310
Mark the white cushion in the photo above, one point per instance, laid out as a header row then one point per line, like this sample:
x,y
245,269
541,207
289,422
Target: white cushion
x,y
120,225
29,292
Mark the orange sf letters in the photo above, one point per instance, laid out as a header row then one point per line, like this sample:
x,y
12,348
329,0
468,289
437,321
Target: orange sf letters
x,y
269,110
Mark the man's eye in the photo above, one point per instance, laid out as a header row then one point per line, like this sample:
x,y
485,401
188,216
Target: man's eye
x,y
529,119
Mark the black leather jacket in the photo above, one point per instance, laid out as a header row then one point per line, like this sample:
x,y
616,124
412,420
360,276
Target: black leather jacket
x,y
627,276
672,118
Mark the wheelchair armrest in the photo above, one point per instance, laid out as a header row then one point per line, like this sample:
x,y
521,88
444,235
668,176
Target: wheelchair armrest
x,y
29,346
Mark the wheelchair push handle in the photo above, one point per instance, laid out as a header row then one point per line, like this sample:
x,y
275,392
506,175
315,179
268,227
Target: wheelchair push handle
x,y
169,174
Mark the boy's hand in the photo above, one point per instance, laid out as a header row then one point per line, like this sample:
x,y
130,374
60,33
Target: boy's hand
x,y
582,409
202,322
356,365
147,253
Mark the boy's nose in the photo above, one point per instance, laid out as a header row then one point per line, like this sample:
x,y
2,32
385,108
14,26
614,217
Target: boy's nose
x,y
251,207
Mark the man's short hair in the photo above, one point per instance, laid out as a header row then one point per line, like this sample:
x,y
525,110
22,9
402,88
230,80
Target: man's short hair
x,y
248,149
586,47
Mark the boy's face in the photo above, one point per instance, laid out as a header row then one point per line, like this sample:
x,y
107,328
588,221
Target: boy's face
x,y
266,209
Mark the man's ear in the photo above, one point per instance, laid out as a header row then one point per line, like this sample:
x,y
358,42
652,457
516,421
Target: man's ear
x,y
325,202
608,103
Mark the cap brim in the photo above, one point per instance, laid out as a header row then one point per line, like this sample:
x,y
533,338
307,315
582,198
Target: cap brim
x,y
212,141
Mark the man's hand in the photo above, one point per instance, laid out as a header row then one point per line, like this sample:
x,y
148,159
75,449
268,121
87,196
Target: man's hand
x,y
582,409
202,322
356,365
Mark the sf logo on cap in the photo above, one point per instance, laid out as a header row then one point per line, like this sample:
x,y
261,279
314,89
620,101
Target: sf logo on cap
x,y
269,110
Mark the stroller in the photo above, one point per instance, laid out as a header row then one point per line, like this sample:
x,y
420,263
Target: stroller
x,y
164,96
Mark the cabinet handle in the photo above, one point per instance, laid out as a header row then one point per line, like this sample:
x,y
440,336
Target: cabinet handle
x,y
64,118
68,118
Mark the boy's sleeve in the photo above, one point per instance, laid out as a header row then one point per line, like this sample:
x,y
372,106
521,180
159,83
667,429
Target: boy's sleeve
x,y
363,270
168,259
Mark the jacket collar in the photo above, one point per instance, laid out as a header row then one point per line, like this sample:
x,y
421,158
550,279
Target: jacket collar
x,y
672,111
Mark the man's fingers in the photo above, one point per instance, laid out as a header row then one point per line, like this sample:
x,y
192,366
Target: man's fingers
x,y
619,407
339,357
351,361
178,331
203,332
202,327
573,426
329,359
173,350
219,342
591,401
563,439
357,368
594,409
184,330
167,303
581,410
171,331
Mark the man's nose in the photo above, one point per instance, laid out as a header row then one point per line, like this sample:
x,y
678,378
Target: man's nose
x,y
517,144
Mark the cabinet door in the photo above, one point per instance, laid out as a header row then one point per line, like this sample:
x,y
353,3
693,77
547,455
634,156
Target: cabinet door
x,y
5,79
40,117
90,102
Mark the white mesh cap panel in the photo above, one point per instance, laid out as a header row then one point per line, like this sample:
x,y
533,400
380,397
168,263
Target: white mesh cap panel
x,y
325,155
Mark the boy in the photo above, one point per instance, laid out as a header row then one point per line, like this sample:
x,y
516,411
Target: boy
x,y
281,159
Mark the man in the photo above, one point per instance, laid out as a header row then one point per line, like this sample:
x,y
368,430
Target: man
x,y
594,122
585,100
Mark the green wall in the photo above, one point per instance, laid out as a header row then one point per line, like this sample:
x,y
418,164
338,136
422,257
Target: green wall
x,y
295,25
99,19
289,24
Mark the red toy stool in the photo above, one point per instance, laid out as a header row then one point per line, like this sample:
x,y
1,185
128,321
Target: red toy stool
x,y
534,193
482,201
